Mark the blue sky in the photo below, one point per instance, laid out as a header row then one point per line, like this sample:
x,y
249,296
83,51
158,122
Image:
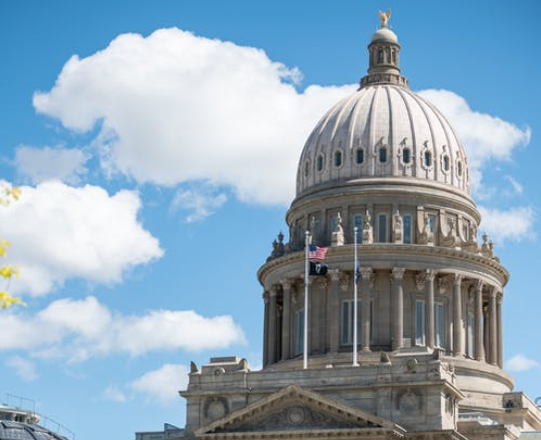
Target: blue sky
x,y
156,144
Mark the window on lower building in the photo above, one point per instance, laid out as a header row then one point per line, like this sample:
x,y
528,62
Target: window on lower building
x,y
382,228
347,320
439,325
358,222
299,331
419,322
406,222
471,324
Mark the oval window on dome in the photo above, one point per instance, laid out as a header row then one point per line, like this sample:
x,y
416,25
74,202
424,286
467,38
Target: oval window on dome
x,y
406,155
383,154
446,163
359,156
319,163
338,158
428,159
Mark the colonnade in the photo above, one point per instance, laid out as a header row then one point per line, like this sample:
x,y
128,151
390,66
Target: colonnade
x,y
485,345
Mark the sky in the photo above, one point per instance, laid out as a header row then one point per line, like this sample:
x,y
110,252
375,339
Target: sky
x,y
156,145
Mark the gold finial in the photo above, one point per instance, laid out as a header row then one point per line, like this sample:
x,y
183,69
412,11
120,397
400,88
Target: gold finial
x,y
384,17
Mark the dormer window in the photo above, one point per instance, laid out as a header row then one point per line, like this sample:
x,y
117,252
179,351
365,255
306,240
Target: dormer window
x,y
383,154
446,163
428,158
319,163
406,155
359,156
338,159
306,168
459,168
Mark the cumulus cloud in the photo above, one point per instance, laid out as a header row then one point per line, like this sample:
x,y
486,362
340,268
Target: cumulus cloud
x,y
512,224
175,108
114,394
24,368
484,136
520,363
200,202
162,385
78,329
36,165
60,232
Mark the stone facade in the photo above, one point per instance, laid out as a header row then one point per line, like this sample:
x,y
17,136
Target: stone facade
x,y
429,355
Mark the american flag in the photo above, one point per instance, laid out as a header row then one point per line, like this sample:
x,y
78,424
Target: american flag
x,y
316,252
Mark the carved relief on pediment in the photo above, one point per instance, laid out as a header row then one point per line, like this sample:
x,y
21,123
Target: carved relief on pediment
x,y
294,417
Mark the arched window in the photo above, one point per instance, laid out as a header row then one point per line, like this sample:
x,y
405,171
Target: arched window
x,y
319,163
380,56
383,154
428,158
338,158
406,155
306,168
359,156
459,168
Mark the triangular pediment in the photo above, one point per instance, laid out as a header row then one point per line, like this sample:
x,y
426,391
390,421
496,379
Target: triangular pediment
x,y
296,409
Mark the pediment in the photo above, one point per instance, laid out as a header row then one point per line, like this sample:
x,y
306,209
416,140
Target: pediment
x,y
296,409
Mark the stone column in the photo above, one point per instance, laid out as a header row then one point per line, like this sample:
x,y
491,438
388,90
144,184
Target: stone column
x,y
334,315
286,320
500,332
493,340
458,325
271,352
366,274
397,339
429,308
265,328
478,316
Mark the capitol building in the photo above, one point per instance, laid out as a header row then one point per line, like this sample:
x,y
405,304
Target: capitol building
x,y
426,358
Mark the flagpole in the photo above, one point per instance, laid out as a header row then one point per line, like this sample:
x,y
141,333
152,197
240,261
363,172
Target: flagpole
x,y
306,288
355,269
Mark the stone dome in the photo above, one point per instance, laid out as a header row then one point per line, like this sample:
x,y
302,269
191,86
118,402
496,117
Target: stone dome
x,y
383,130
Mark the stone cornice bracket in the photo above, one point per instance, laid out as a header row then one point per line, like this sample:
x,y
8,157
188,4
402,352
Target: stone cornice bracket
x,y
335,274
420,280
397,273
442,283
367,274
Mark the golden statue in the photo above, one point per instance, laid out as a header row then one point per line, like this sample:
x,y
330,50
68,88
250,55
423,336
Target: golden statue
x,y
384,17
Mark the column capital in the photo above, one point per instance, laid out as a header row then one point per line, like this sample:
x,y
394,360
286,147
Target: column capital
x,y
335,274
366,273
493,291
479,285
430,275
287,283
457,279
397,273
265,296
274,290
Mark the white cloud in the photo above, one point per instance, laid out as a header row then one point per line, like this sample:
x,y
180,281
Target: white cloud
x,y
59,232
485,137
114,394
512,224
202,202
178,108
25,369
78,329
162,385
36,165
517,187
520,363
